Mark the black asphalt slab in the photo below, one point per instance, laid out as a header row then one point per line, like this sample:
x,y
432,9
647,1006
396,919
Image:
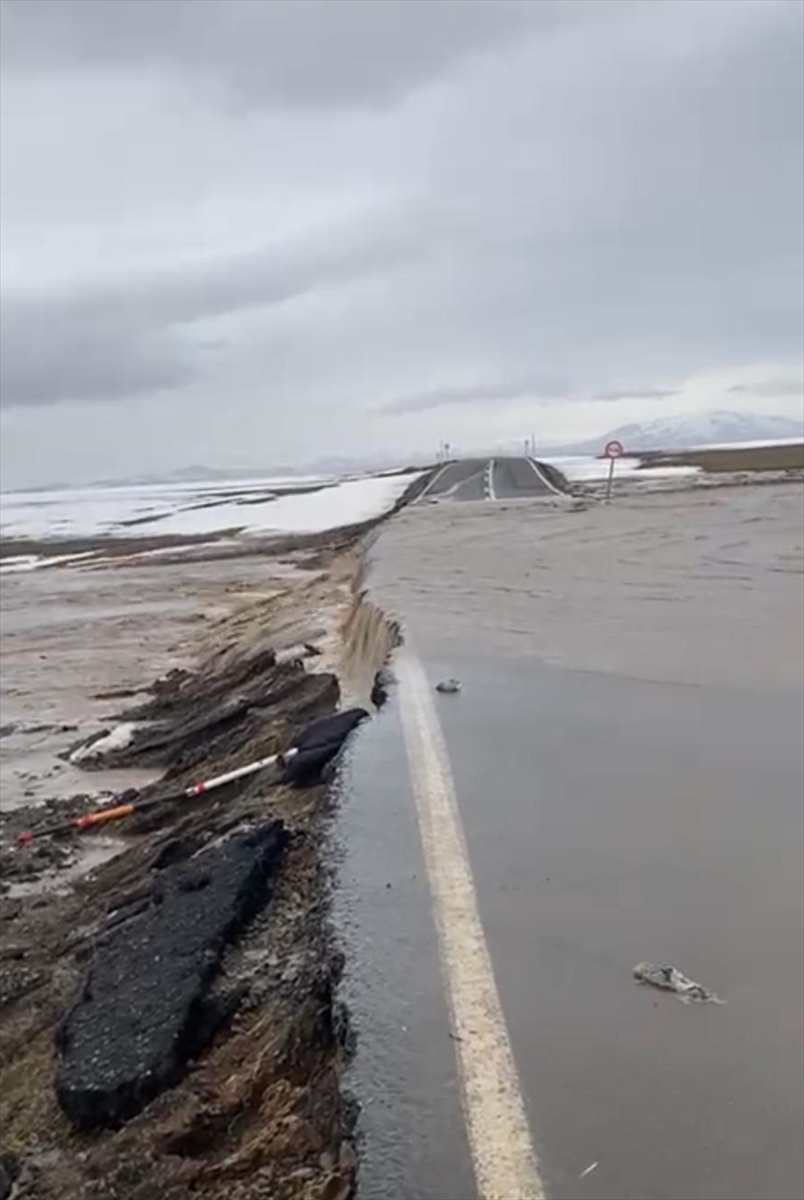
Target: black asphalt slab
x,y
146,1006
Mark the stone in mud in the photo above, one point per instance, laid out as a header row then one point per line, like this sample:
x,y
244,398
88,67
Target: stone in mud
x,y
383,682
9,1170
146,1007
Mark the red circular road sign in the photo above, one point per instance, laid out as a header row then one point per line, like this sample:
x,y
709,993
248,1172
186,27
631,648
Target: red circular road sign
x,y
614,450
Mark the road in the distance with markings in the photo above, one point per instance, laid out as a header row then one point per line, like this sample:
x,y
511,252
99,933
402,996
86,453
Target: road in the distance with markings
x,y
499,478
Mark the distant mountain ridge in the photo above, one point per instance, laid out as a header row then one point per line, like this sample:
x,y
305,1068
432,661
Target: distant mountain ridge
x,y
683,432
321,468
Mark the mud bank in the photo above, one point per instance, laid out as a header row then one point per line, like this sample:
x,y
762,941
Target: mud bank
x,y
252,1105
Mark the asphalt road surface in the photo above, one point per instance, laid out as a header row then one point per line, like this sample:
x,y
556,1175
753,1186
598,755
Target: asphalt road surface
x,y
512,851
490,479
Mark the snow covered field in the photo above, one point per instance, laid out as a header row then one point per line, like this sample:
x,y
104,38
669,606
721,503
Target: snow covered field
x,y
583,468
190,510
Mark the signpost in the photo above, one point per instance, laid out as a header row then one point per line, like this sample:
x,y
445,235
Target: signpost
x,y
613,451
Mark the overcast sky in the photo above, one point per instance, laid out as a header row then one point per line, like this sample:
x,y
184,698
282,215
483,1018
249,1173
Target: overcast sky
x,y
253,233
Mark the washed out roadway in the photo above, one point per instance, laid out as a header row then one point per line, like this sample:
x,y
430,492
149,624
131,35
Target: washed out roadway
x,y
646,805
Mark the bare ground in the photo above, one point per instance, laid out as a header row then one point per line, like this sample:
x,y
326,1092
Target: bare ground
x,y
261,1112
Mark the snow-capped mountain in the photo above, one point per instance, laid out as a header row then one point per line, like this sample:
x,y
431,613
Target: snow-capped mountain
x,y
694,429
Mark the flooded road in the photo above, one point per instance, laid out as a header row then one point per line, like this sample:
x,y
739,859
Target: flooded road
x,y
608,819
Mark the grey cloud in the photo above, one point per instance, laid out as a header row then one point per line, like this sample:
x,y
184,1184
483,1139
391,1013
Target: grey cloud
x,y
122,338
296,52
603,192
50,356
535,386
779,386
646,393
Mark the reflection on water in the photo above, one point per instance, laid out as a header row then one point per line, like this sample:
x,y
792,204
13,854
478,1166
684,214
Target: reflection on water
x,y
93,854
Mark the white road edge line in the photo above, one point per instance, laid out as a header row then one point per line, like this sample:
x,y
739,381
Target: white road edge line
x,y
505,1162
490,480
543,478
432,482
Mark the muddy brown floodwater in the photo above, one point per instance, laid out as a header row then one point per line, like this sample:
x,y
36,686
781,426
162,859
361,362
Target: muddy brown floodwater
x,y
626,748
627,754
691,586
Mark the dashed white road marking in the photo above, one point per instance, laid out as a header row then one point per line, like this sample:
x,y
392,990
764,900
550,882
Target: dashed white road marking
x,y
543,479
492,495
505,1163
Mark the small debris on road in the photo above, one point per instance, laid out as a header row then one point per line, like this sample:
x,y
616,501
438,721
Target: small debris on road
x,y
670,979
448,686
588,1170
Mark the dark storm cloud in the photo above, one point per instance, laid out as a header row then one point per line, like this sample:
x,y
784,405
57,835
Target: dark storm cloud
x,y
118,339
779,386
646,393
540,387
304,52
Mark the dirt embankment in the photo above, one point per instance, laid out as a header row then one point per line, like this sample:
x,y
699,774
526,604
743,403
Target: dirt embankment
x,y
731,459
226,897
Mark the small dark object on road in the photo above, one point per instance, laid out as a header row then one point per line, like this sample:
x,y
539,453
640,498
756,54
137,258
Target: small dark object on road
x,y
670,979
448,687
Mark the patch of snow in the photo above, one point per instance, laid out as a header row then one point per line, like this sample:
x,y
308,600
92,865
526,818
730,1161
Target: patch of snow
x,y
346,503
118,739
32,562
584,468
19,562
197,509
94,511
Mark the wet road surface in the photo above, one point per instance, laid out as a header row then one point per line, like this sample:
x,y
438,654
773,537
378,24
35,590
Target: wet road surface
x,y
608,819
412,1138
607,822
499,478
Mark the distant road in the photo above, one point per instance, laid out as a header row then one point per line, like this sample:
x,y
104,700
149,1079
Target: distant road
x,y
490,479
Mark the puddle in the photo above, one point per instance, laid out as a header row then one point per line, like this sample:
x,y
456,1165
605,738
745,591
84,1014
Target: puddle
x,y
57,882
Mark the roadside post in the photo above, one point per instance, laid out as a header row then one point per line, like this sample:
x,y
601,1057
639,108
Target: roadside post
x,y
613,451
